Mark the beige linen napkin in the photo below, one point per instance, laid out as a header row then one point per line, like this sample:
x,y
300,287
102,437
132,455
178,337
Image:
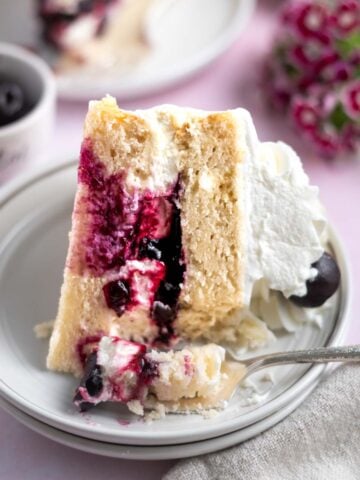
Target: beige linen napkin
x,y
320,440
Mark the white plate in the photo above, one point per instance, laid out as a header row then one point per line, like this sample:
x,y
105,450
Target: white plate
x,y
34,221
166,452
189,35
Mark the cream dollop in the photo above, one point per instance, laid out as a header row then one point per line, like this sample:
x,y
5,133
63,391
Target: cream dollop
x,y
285,221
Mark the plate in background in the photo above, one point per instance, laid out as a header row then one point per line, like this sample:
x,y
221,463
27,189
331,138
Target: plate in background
x,y
35,214
179,48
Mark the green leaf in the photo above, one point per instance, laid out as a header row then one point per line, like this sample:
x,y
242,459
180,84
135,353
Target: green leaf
x,y
349,45
338,117
291,70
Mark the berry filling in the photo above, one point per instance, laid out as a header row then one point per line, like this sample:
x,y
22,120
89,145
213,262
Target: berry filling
x,y
117,295
120,372
136,238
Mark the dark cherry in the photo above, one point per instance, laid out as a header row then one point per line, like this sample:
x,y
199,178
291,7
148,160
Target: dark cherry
x,y
117,295
12,102
323,286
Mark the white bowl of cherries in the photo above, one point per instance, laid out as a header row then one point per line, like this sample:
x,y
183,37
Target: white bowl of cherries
x,y
27,109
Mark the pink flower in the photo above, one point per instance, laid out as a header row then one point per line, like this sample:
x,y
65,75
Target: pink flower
x,y
351,99
305,114
346,17
312,22
314,72
338,71
306,54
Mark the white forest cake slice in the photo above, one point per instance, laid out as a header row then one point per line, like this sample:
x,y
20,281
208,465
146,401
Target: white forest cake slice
x,y
181,219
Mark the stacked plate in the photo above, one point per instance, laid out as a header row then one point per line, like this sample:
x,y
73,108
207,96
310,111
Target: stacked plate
x,y
35,215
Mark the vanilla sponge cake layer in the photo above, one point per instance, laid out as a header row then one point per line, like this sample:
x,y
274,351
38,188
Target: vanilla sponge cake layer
x,y
152,150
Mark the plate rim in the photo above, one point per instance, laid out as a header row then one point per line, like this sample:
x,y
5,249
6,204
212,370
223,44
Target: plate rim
x,y
137,438
156,452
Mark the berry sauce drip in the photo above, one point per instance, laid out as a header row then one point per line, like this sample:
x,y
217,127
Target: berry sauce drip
x,y
126,227
85,344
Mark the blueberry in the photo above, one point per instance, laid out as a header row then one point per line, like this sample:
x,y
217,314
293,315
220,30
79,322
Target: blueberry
x,y
323,286
94,383
150,248
149,370
91,380
117,295
163,313
12,102
168,293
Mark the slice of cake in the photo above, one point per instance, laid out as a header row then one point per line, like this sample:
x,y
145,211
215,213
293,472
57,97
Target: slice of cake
x,y
99,33
182,219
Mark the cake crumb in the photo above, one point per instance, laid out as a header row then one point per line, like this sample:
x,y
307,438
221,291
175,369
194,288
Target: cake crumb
x,y
44,329
210,413
135,407
156,414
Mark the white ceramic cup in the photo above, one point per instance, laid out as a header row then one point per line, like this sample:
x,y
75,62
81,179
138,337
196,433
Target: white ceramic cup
x,y
23,142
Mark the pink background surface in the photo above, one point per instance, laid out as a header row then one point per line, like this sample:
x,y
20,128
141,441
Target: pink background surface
x,y
230,82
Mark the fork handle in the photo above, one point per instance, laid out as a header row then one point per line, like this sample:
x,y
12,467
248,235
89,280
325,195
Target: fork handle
x,y
350,353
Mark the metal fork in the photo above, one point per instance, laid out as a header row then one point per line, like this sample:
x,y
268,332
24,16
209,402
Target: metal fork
x,y
350,353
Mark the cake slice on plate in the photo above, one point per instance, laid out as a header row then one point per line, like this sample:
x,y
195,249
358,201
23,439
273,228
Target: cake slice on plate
x,y
181,219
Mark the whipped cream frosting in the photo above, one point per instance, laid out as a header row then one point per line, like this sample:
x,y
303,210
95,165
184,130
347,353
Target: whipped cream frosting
x,y
286,226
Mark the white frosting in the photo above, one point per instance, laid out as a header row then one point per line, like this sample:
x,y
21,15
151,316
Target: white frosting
x,y
285,221
79,31
115,355
141,273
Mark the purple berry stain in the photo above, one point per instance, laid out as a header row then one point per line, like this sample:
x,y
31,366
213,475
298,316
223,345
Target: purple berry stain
x,y
124,226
